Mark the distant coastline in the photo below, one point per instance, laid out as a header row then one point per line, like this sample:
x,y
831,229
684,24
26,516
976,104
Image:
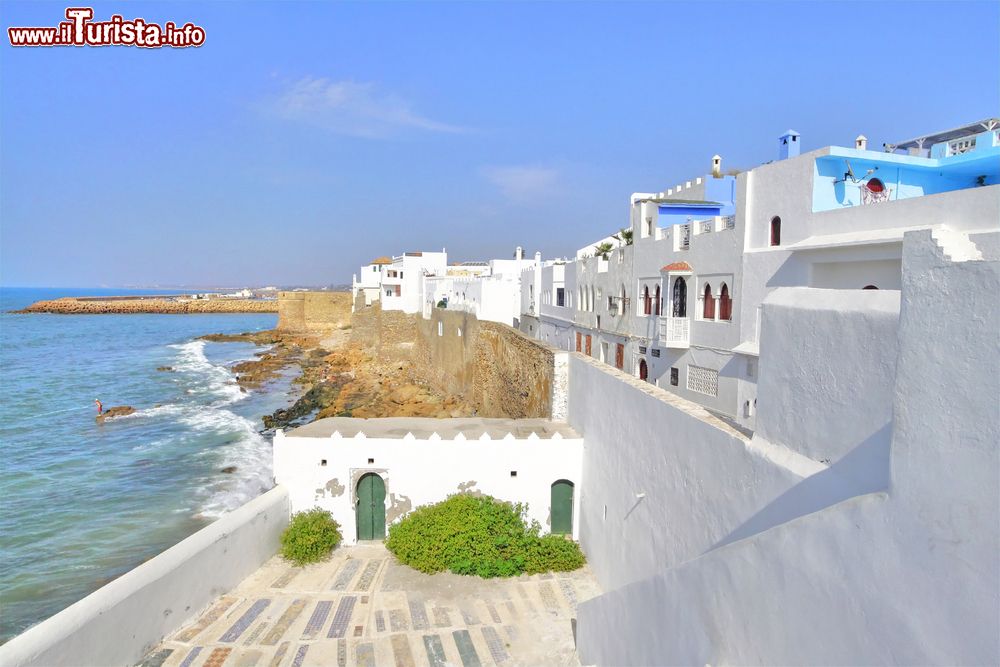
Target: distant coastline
x,y
168,305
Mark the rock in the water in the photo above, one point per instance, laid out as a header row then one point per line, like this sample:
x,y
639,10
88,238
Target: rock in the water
x,y
165,368
229,470
117,411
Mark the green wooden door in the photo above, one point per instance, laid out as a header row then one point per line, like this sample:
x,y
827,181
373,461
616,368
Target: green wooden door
x,y
371,507
562,507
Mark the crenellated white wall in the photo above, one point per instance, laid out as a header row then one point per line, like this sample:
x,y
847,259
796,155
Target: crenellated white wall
x,y
323,471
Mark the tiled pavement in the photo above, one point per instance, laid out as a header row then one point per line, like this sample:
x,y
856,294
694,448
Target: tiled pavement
x,y
362,608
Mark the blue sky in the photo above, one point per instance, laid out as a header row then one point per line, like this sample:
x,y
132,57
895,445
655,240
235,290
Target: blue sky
x,y
304,139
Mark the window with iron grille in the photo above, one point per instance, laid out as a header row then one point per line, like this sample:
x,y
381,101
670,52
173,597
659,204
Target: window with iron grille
x,y
674,375
703,380
656,353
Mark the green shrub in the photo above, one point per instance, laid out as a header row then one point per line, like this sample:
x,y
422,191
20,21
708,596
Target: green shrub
x,y
310,537
478,535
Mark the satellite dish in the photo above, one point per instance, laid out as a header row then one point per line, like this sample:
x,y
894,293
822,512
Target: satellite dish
x,y
850,172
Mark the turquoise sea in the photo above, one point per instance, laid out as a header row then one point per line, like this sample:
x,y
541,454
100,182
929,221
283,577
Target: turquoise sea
x,y
80,502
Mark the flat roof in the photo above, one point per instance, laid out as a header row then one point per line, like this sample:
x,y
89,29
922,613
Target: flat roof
x,y
423,427
947,135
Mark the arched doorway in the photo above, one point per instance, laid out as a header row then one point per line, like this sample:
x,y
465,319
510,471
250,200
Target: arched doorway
x,y
562,507
370,508
643,370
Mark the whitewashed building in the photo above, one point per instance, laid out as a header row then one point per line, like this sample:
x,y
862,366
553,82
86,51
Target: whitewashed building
x,y
399,283
679,305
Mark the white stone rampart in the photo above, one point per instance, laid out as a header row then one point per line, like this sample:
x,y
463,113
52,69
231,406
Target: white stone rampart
x,y
425,461
122,621
909,575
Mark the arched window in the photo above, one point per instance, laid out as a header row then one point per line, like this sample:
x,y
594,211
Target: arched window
x,y
680,297
658,300
870,287
725,304
647,303
775,230
708,308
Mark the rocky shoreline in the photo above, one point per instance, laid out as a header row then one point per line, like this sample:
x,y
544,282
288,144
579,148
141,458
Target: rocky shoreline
x,y
158,305
339,379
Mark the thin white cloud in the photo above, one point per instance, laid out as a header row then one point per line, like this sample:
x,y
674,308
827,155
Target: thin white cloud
x,y
522,183
352,108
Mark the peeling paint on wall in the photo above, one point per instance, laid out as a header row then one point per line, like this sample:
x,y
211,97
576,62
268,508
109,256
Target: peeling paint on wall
x,y
399,506
335,488
468,487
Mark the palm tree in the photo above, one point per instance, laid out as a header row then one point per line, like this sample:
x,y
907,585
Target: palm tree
x,y
602,249
624,235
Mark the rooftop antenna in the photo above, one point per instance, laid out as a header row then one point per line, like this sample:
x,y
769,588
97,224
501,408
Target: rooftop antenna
x,y
849,174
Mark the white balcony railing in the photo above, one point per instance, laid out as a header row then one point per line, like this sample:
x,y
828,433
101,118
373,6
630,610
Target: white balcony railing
x,y
675,331
729,222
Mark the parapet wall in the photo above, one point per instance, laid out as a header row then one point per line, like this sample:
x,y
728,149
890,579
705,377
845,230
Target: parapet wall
x,y
313,311
121,622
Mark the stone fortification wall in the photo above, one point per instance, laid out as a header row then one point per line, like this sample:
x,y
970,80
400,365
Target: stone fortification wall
x,y
390,334
313,311
499,370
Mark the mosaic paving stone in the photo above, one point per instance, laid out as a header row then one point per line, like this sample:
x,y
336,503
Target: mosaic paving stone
x,y
211,617
342,618
368,576
279,655
346,574
495,644
252,637
512,632
286,578
379,621
470,617
341,653
157,659
511,608
281,627
318,619
364,599
466,649
300,655
397,620
364,655
217,657
435,651
248,659
569,592
493,613
189,658
401,651
359,630
548,595
248,617
547,575
441,617
418,613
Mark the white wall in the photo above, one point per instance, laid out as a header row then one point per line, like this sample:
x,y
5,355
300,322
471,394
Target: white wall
x,y
702,480
421,472
826,354
908,576
122,621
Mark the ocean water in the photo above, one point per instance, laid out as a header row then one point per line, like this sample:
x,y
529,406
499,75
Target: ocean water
x,y
80,502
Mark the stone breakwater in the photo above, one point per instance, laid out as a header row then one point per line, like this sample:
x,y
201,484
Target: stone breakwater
x,y
90,306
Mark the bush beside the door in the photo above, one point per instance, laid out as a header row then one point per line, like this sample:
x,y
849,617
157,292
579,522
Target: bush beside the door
x,y
479,535
310,537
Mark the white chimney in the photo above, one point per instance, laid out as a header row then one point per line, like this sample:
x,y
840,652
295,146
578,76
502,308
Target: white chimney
x,y
861,143
717,166
519,253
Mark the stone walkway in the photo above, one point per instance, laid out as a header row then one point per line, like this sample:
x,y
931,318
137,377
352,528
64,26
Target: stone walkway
x,y
363,608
